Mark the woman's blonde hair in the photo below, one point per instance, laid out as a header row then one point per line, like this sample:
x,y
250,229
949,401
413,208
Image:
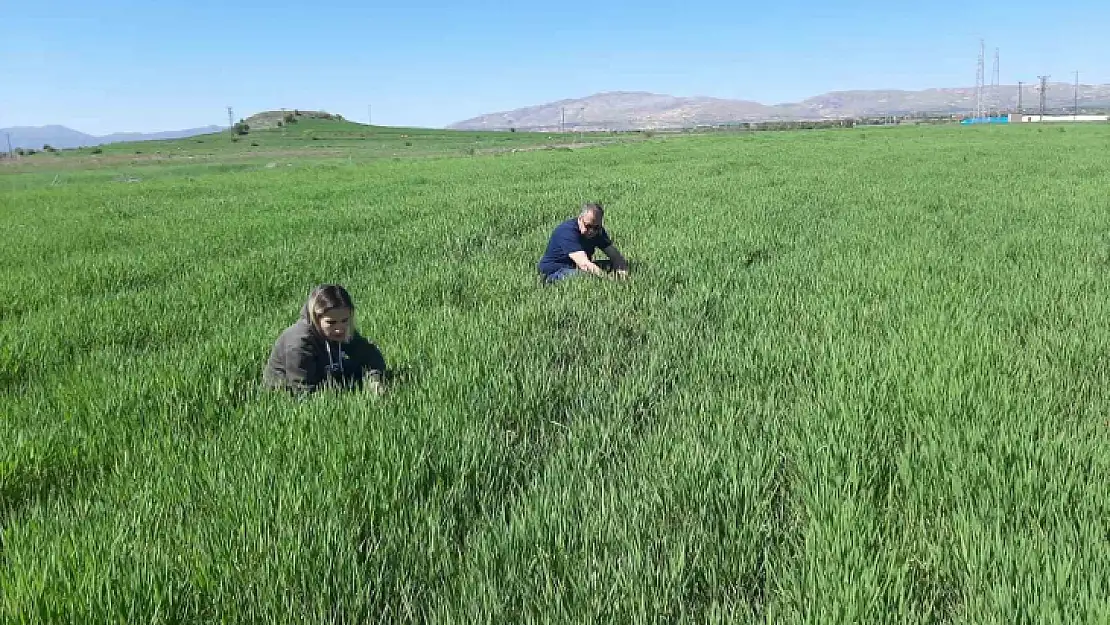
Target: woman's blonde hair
x,y
329,297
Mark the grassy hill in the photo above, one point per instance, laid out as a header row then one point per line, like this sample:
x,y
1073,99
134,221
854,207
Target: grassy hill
x,y
268,120
313,136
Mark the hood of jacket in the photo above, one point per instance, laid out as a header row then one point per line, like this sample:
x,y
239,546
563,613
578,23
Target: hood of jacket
x,y
313,331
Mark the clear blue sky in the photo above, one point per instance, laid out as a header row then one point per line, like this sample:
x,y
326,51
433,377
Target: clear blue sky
x,y
103,66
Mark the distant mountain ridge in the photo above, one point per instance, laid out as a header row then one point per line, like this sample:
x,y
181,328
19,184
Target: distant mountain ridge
x,y
616,110
35,137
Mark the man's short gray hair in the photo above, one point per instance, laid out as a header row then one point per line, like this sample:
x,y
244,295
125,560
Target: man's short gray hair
x,y
592,207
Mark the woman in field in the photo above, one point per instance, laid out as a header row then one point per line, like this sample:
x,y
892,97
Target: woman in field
x,y
323,349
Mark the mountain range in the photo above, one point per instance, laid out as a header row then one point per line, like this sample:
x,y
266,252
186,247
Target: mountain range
x,y
35,137
621,110
618,110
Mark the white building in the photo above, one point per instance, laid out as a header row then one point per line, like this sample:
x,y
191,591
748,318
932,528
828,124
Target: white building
x,y
1017,119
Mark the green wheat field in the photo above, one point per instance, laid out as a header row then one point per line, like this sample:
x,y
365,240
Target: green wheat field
x,y
858,376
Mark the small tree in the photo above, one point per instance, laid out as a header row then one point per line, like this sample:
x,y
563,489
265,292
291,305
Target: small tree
x,y
241,128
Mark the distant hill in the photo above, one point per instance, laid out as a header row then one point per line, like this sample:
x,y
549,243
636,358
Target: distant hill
x,y
120,137
630,108
275,119
35,137
636,109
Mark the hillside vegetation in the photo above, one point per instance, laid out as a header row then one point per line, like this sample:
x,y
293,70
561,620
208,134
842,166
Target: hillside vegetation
x,y
309,139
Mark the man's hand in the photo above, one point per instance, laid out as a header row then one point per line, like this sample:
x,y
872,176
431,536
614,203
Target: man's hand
x,y
595,270
619,262
620,267
585,265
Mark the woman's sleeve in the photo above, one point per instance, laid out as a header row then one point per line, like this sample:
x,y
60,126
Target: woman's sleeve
x,y
300,367
368,355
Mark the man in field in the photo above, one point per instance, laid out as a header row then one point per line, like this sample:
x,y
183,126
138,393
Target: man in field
x,y
571,248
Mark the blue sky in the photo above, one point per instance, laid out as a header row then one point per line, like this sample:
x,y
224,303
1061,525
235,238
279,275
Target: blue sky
x,y
103,66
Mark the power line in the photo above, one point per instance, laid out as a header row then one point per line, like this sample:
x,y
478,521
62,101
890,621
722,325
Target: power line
x,y
996,104
1075,111
1044,89
979,80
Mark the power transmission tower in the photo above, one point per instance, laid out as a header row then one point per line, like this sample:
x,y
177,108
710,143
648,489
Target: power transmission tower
x,y
996,104
9,135
230,118
979,76
369,115
1044,90
1021,86
1075,110
562,120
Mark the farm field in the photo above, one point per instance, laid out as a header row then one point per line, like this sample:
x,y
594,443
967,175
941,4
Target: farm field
x,y
857,376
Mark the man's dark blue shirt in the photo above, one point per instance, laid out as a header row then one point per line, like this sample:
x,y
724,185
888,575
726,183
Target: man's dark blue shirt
x,y
565,240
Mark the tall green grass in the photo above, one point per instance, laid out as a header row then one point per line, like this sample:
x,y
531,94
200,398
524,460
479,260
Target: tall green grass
x,y
858,376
